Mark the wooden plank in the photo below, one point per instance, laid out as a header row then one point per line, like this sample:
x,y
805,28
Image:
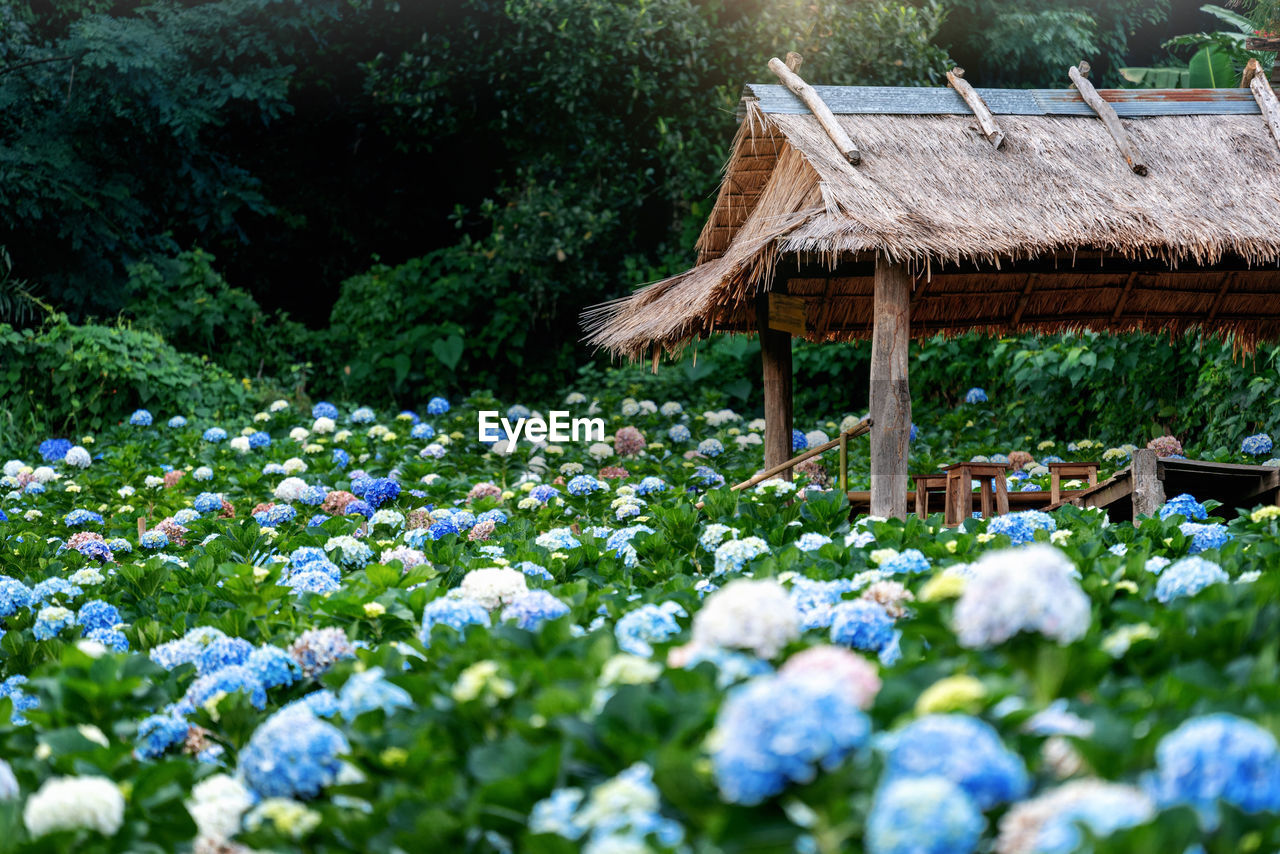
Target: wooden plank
x,y
890,392
787,314
775,358
772,98
820,110
1023,300
1107,113
1148,491
859,429
986,121
1265,96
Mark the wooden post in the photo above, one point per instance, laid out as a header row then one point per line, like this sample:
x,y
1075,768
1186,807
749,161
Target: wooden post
x,y
775,354
890,393
1148,491
844,463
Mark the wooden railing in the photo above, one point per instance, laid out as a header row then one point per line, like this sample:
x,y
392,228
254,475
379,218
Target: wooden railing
x,y
842,441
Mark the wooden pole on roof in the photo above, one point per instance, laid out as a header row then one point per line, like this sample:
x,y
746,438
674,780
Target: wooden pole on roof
x,y
1265,96
775,357
818,107
890,392
1107,113
986,121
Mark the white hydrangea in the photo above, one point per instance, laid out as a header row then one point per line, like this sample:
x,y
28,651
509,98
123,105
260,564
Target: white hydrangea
x,y
295,465
600,451
748,439
153,482
240,444
74,803
203,473
44,474
323,425
575,398
340,436
78,457
816,437
291,489
299,434
387,517
724,416
216,806
1032,588
278,405
747,614
493,586
13,468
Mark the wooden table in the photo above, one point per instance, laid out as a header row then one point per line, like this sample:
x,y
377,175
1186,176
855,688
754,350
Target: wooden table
x,y
934,482
1058,471
994,490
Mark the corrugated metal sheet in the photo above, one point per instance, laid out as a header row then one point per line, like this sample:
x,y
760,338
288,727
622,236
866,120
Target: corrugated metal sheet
x,y
910,101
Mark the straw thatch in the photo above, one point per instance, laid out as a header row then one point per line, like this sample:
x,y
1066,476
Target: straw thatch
x,y
1050,232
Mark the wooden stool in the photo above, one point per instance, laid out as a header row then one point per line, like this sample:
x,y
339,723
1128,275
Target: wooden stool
x,y
926,483
960,490
1057,471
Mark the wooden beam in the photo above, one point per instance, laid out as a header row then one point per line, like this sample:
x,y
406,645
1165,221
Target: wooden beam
x,y
1124,295
986,121
1023,300
1265,96
820,110
775,357
1107,113
890,391
1148,491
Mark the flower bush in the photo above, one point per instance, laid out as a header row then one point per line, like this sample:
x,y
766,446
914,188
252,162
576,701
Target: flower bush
x,y
324,634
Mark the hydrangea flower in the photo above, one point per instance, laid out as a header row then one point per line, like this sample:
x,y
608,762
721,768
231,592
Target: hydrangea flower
x,y
1204,537
13,595
638,630
585,484
862,624
710,448
51,451
731,556
97,614
153,539
1021,527
811,541
1184,505
293,754
437,406
74,803
679,434
214,435
316,650
453,612
975,395
1218,757
1027,589
52,620
747,614
324,409
79,518
923,815
370,691
493,587
1050,823
158,733
557,539
533,608
1188,577
909,562
963,749
780,729
140,418
1258,445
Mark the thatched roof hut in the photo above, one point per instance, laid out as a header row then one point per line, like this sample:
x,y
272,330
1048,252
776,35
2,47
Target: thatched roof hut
x,y
1051,228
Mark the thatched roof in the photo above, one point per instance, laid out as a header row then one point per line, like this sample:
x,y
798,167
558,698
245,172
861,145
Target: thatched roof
x,y
1052,231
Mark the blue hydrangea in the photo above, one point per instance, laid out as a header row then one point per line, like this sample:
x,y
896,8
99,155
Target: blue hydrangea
x,y
437,406
710,448
341,458
707,477
363,415
455,613
154,540
223,652
733,555
1021,527
158,733
861,624
495,516
423,431
349,552
442,528
13,595
543,492
534,570
324,409
313,495
381,490
140,418
909,562
975,395
97,614
811,542
214,435
963,749
1184,505
370,691
1258,445
112,639
1218,757
651,485
293,754
585,484
54,450
638,630
798,441
259,439
177,422
79,518
119,545
309,579
780,729
1204,537
52,620
227,680
318,519
54,586
22,701
1187,577
304,555
530,610
358,508
557,539
277,515
1103,808
923,815
96,550
208,502
679,434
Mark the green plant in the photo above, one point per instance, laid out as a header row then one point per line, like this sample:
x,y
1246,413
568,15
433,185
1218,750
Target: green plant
x,y
1217,62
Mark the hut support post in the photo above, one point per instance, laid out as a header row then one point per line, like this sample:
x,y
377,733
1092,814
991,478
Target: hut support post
x,y
1148,491
775,354
890,392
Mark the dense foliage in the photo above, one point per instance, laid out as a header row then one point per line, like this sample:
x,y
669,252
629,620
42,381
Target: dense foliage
x,y
340,631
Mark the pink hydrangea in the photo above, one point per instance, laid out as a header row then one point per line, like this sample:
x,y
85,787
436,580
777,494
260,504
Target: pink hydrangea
x,y
482,530
408,557
484,489
851,671
628,442
1165,446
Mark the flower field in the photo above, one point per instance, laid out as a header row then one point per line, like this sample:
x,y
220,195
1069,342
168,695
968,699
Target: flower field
x,y
326,629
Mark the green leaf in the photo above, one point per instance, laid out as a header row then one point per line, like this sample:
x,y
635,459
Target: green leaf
x,y
1211,69
448,351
